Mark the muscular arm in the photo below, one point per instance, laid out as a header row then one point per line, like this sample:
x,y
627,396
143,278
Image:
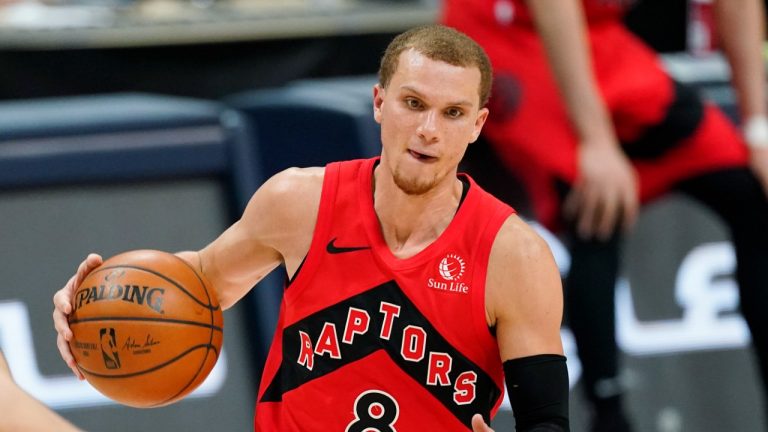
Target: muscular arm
x,y
524,297
276,227
524,300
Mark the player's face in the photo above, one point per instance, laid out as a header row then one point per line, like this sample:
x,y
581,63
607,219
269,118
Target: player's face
x,y
429,113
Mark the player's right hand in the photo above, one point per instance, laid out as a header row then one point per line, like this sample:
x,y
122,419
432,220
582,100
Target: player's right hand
x,y
605,195
62,306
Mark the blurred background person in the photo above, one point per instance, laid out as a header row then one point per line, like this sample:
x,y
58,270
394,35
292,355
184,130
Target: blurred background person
x,y
585,115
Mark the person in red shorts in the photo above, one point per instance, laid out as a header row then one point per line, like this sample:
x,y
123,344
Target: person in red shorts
x,y
585,115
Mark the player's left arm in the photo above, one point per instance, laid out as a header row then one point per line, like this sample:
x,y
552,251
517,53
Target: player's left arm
x,y
22,412
524,301
741,27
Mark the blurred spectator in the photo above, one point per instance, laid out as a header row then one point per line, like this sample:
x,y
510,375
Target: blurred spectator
x,y
584,114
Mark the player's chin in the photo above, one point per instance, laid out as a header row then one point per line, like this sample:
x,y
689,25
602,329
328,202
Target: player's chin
x,y
415,184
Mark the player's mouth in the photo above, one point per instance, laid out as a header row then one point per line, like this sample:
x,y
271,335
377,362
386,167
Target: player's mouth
x,y
421,157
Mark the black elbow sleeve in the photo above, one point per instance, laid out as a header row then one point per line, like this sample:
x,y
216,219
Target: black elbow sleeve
x,y
538,392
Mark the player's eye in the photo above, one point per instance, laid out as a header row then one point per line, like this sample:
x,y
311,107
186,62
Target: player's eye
x,y
413,103
454,112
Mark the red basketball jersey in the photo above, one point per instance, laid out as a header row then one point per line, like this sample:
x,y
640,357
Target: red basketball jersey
x,y
369,342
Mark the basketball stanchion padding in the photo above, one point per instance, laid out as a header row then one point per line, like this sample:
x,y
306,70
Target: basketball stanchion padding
x,y
147,328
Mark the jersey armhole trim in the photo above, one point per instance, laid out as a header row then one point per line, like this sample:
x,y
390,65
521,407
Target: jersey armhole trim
x,y
322,226
479,278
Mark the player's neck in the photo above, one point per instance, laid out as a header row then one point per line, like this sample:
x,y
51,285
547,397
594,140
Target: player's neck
x,y
410,223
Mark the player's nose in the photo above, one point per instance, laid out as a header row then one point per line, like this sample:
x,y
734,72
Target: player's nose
x,y
429,126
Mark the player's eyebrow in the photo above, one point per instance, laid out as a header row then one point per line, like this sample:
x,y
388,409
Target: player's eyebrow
x,y
421,95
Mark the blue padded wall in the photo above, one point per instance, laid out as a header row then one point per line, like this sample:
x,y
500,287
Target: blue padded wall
x,y
120,137
306,123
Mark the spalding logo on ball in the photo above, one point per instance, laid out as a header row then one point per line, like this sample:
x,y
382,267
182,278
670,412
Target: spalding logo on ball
x,y
147,328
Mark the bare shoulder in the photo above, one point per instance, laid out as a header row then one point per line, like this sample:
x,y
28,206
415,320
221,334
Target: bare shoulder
x,y
293,183
297,177
520,265
282,213
291,193
518,243
524,298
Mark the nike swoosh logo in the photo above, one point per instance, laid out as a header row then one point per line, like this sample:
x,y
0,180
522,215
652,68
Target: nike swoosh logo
x,y
333,249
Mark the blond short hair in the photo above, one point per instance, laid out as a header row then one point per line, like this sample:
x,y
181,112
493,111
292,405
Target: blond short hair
x,y
439,43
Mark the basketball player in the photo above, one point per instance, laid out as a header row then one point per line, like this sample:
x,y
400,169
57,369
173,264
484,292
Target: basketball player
x,y
586,116
412,292
21,412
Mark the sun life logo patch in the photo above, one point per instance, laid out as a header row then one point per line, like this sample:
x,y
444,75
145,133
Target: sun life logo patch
x,y
451,267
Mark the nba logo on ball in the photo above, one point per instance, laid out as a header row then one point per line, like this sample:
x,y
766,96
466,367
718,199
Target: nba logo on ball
x,y
451,267
109,348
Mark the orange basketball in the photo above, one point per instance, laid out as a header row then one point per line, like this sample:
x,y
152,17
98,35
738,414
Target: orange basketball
x,y
147,328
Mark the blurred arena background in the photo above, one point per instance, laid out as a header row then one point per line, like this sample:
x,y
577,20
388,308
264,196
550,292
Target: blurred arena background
x,y
130,124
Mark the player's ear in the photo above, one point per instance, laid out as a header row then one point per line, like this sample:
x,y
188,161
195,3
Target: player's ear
x,y
378,100
482,116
